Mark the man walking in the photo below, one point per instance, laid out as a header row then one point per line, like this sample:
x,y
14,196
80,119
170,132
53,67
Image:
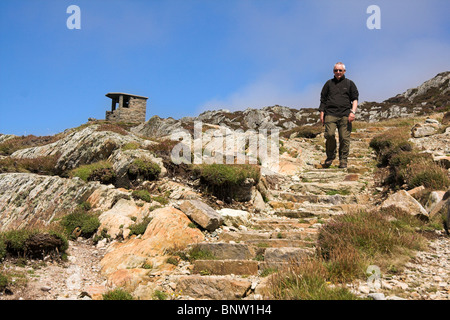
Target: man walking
x,y
338,104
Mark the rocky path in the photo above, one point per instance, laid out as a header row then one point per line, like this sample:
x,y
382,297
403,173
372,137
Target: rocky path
x,y
77,278
299,205
246,251
425,277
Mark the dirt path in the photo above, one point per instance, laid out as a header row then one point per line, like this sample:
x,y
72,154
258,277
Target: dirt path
x,y
76,278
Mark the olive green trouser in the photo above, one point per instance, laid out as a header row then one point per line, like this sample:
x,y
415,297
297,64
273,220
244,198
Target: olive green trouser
x,y
344,128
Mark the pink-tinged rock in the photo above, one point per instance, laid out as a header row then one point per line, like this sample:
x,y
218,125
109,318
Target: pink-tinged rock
x,y
168,231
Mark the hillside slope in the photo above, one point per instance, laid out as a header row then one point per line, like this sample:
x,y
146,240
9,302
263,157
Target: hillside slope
x,y
181,231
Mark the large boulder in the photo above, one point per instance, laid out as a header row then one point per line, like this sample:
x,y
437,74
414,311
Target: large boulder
x,y
443,208
235,218
202,214
404,201
424,130
168,231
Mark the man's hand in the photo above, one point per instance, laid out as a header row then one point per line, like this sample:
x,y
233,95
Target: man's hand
x,y
351,117
322,117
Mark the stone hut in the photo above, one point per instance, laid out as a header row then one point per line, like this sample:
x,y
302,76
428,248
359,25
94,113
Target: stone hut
x,y
131,108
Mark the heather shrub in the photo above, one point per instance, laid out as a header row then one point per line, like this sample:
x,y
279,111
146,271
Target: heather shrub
x,y
117,294
427,174
142,195
40,165
351,242
112,127
82,220
225,180
31,243
139,228
306,281
99,171
163,148
390,143
303,132
407,165
144,169
11,145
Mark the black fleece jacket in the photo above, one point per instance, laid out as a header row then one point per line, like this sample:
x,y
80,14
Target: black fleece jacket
x,y
337,96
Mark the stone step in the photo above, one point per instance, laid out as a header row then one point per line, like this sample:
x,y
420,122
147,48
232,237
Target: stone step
x,y
274,224
276,257
280,243
240,236
213,287
250,236
325,174
319,211
305,213
226,267
309,234
343,188
224,250
315,198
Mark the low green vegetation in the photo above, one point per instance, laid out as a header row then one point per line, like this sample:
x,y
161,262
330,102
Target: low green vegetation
x,y
117,294
225,180
81,222
144,169
306,282
11,145
142,195
346,246
161,199
407,167
159,295
197,253
25,243
99,171
130,146
39,165
4,282
349,243
139,228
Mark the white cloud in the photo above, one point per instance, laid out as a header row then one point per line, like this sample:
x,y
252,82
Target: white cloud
x,y
289,46
267,91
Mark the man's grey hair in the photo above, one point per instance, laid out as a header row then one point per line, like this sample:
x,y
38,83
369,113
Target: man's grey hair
x,y
340,64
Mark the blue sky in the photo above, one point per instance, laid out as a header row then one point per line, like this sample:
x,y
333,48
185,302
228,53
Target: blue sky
x,y
189,56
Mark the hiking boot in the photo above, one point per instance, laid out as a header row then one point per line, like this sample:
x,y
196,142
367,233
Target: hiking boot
x,y
343,165
327,163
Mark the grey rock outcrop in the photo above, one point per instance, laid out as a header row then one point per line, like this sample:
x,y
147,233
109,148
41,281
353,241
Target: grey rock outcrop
x,y
403,200
81,147
30,200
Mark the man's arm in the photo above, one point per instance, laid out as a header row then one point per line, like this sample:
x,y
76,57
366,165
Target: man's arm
x,y
322,117
351,116
323,100
354,96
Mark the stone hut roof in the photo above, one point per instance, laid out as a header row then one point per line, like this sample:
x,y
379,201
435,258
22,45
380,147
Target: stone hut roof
x,y
115,95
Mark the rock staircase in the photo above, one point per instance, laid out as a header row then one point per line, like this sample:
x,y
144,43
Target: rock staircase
x,y
287,231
